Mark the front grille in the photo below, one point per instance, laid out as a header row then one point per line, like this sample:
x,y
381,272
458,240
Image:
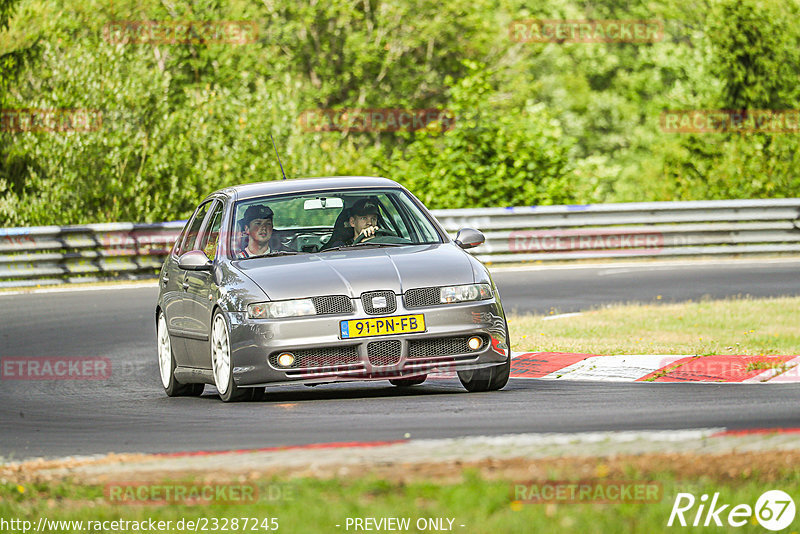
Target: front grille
x,y
369,305
424,296
441,346
384,352
329,357
333,305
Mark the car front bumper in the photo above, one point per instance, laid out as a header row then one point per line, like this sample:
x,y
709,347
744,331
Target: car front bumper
x,y
322,356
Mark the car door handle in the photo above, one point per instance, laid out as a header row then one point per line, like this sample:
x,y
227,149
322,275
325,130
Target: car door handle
x,y
165,280
185,284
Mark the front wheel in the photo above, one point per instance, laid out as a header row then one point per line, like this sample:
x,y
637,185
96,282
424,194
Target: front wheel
x,y
487,379
166,365
221,362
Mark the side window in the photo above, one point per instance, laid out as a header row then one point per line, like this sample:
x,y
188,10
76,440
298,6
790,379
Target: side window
x,y
194,229
419,226
396,221
209,236
176,246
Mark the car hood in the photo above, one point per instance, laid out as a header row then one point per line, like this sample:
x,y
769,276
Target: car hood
x,y
352,272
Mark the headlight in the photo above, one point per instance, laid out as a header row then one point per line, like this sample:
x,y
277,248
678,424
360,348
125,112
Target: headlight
x,y
281,308
451,294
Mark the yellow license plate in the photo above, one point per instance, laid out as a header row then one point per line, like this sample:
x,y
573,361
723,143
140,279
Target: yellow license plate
x,y
401,324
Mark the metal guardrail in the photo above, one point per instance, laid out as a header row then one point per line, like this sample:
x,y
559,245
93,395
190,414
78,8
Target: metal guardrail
x,y
54,255
632,230
48,255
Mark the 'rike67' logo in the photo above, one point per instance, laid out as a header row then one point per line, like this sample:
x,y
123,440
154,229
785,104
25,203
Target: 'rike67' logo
x,y
774,510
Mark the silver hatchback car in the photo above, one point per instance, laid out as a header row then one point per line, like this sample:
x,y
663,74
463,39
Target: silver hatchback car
x,y
324,280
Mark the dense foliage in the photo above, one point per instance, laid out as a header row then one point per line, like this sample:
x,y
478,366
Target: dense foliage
x,y
535,123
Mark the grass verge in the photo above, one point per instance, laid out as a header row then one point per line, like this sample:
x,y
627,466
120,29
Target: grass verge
x,y
745,326
478,502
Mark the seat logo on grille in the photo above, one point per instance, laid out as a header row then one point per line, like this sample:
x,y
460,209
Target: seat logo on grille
x,y
379,302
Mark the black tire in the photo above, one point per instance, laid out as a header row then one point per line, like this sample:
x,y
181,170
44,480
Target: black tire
x,y
487,379
172,387
221,365
490,378
408,382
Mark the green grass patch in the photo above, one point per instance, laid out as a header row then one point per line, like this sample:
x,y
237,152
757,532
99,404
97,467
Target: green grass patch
x,y
761,365
743,326
314,506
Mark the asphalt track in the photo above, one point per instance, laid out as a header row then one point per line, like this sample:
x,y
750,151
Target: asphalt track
x,y
129,413
572,289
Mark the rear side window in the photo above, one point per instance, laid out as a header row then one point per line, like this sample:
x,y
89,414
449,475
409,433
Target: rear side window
x,y
193,228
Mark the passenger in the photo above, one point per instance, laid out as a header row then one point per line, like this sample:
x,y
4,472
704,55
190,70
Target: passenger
x,y
257,222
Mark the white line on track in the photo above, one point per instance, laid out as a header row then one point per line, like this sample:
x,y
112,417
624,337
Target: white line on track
x,y
426,449
122,285
645,265
561,316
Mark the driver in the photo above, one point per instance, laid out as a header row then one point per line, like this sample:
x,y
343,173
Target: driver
x,y
257,222
363,221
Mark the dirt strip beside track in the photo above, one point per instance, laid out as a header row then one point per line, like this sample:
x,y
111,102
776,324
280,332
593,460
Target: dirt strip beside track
x,y
689,454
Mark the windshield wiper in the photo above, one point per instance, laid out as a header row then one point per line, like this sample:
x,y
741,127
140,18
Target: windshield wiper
x,y
345,247
363,243
276,253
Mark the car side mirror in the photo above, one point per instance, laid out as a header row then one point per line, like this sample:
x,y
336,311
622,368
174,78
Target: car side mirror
x,y
194,260
469,238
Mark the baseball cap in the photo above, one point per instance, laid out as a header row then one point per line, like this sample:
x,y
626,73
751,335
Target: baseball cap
x,y
256,212
365,206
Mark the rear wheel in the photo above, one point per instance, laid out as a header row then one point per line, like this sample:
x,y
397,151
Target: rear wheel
x,y
408,382
166,365
221,363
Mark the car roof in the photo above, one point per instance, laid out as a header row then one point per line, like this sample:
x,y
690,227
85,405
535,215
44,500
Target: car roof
x,y
299,185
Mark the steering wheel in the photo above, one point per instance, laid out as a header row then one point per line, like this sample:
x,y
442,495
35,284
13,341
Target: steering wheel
x,y
378,233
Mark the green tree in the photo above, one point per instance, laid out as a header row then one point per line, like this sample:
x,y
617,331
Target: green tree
x,y
491,157
8,63
536,122
755,55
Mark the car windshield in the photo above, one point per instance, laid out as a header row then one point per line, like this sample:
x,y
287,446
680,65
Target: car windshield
x,y
328,221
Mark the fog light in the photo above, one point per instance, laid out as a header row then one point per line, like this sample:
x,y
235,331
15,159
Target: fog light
x,y
285,359
475,343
